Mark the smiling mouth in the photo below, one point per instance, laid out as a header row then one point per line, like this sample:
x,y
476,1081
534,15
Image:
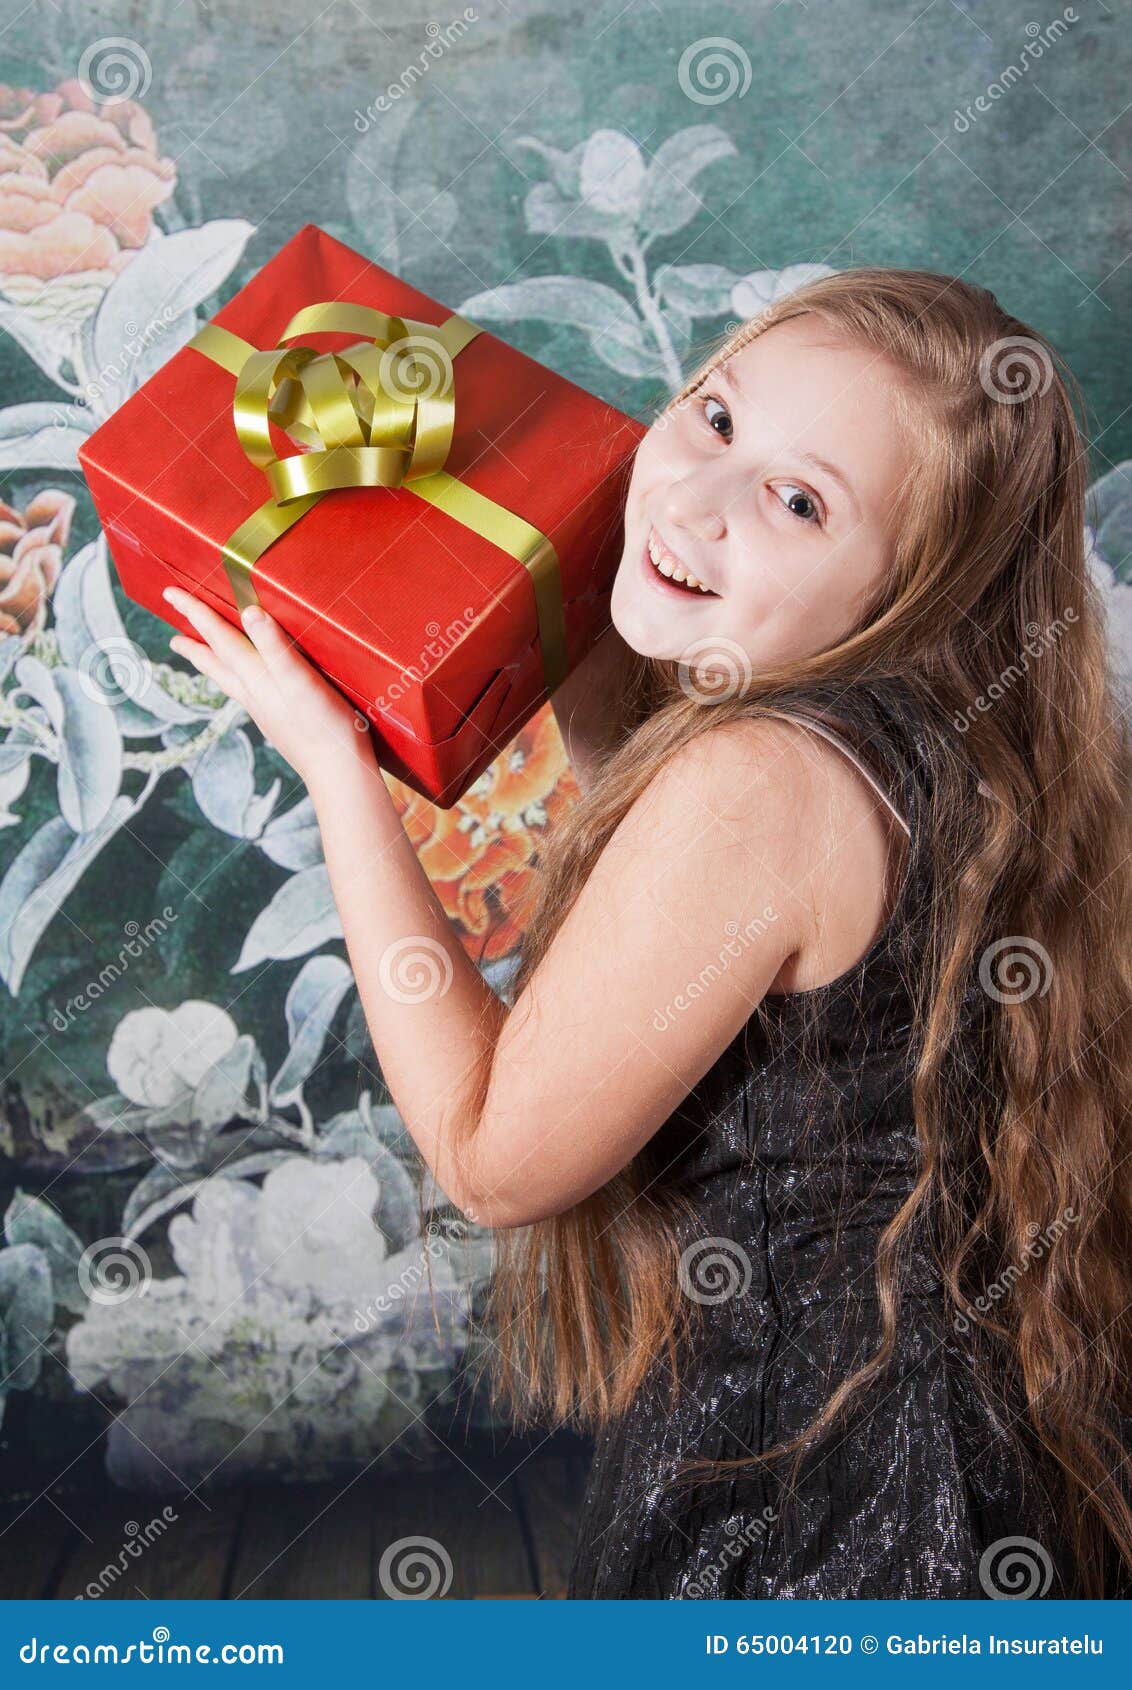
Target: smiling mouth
x,y
664,563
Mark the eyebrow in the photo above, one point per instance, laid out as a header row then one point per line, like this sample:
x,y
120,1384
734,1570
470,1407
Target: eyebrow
x,y
804,457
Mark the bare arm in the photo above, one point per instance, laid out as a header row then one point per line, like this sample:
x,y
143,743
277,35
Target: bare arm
x,y
698,898
683,924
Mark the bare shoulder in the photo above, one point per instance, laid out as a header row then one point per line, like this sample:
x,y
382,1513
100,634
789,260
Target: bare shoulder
x,y
760,820
850,849
719,876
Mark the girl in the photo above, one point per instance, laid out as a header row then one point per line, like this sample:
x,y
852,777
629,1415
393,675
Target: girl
x,y
806,1131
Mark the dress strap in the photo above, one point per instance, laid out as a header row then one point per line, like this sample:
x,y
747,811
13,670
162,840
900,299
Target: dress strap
x,y
828,733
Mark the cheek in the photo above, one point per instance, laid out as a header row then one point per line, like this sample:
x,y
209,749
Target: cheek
x,y
661,457
776,575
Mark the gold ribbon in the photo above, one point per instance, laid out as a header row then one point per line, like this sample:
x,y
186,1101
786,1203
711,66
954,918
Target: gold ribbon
x,y
383,429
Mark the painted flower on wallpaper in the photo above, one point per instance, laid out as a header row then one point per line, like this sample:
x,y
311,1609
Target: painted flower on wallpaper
x,y
605,189
292,1337
480,855
1108,538
92,287
32,542
79,181
158,1057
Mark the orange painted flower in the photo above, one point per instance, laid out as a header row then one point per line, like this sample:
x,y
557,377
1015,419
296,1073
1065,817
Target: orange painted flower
x,y
481,855
31,556
79,180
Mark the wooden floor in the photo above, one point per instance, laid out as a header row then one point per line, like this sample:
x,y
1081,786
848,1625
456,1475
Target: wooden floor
x,y
505,1523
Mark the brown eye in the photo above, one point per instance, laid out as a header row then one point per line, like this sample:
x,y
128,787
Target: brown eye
x,y
721,412
798,496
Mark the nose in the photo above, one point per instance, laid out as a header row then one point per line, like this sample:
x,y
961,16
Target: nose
x,y
687,506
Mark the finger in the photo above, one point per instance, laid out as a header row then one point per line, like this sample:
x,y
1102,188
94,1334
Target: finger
x,y
279,651
231,647
205,659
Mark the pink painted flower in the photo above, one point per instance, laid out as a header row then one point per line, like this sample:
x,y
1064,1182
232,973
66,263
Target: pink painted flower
x,y
79,180
31,556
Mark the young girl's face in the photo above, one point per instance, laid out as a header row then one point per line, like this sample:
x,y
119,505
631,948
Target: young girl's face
x,y
727,489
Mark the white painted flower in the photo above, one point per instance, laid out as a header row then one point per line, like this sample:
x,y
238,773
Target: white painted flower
x,y
753,292
612,172
158,1056
292,1339
1108,545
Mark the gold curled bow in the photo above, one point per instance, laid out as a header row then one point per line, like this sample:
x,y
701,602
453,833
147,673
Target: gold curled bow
x,y
377,430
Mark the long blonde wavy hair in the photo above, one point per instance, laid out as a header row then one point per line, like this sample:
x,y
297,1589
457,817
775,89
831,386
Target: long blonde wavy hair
x,y
990,555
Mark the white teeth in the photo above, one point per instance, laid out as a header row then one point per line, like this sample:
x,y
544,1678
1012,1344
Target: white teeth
x,y
673,571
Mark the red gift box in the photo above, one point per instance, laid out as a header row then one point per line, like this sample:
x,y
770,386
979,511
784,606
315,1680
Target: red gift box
x,y
427,625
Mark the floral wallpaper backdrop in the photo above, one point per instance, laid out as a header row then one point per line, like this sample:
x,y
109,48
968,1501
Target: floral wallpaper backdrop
x,y
217,1246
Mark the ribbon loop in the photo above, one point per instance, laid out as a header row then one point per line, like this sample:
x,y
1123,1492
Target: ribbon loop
x,y
382,395
381,413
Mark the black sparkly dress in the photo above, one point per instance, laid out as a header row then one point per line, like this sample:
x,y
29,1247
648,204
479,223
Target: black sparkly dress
x,y
923,1491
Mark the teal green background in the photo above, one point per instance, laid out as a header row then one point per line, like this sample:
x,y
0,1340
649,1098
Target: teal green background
x,y
487,183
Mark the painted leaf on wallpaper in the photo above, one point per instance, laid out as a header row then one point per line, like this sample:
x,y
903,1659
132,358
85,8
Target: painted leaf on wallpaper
x,y
591,306
1108,538
30,1220
26,1306
603,189
670,201
702,290
310,1007
301,915
42,435
92,640
41,876
1108,512
223,780
759,288
292,839
88,746
399,207
149,311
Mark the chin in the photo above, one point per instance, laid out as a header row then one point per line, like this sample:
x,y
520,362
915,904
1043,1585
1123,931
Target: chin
x,y
639,634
